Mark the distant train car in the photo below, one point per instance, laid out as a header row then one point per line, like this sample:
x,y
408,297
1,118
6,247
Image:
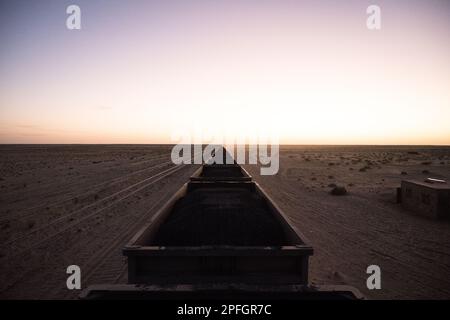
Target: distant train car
x,y
221,172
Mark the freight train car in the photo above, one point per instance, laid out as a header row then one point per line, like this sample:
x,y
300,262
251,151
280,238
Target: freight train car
x,y
221,172
212,232
219,236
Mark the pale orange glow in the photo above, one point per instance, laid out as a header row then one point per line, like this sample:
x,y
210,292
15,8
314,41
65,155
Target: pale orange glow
x,y
277,71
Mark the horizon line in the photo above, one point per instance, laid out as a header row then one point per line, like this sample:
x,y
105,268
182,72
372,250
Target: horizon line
x,y
172,144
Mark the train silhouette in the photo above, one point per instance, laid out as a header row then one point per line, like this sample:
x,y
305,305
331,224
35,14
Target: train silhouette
x,y
220,236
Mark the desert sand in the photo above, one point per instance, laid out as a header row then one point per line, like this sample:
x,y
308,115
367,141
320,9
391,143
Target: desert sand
x,y
79,204
366,226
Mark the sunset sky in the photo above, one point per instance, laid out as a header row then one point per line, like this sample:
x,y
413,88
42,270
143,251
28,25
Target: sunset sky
x,y
310,71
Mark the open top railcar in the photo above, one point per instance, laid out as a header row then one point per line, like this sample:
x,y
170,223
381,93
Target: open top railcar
x,y
219,236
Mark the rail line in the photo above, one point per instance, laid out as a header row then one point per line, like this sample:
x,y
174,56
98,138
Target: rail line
x,y
110,247
70,214
87,191
87,175
106,257
18,251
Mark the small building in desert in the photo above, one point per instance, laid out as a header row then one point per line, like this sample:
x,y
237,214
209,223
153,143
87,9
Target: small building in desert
x,y
429,198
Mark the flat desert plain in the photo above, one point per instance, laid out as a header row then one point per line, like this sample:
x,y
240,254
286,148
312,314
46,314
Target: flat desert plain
x,y
80,204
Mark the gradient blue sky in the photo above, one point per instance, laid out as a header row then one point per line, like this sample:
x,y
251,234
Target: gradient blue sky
x,y
308,70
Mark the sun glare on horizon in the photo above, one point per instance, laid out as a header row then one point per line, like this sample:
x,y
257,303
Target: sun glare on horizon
x,y
305,72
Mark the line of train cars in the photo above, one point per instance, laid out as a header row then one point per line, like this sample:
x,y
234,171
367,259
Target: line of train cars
x,y
219,237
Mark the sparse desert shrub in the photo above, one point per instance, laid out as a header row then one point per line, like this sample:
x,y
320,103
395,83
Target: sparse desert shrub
x,y
426,163
404,173
338,191
31,224
332,185
330,177
425,171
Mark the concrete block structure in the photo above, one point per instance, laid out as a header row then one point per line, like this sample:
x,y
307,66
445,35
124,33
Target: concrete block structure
x,y
427,198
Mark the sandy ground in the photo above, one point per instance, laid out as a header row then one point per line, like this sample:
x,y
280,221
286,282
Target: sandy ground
x,y
366,226
63,205
76,205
